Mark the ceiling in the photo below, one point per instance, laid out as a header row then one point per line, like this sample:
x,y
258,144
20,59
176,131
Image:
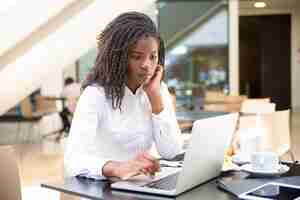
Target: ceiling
x,y
271,4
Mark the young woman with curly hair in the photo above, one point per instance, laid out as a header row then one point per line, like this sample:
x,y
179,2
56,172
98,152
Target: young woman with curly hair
x,y
124,108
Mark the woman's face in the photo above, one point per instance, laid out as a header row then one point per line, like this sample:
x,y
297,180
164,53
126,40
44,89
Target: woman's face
x,y
142,63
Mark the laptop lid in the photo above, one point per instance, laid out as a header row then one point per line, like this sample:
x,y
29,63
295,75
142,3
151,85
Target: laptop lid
x,y
203,158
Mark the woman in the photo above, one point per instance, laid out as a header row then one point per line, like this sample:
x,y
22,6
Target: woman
x,y
124,107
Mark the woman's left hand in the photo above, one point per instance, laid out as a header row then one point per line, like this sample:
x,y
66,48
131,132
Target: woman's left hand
x,y
152,88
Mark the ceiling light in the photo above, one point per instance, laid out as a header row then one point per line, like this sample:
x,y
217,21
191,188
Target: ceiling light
x,y
180,50
260,4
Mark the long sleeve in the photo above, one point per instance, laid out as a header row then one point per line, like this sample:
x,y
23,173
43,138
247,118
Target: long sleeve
x,y
165,128
80,155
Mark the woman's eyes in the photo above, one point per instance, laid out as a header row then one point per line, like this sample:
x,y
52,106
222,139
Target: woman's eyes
x,y
138,57
153,57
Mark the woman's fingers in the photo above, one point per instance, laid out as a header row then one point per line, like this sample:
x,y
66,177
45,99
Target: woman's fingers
x,y
155,162
160,70
142,164
130,169
129,175
150,163
147,156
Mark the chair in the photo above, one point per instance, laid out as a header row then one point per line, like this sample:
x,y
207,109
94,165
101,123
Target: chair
x,y
216,107
10,188
281,138
214,96
221,103
43,112
235,99
26,108
256,106
266,100
222,107
54,121
276,130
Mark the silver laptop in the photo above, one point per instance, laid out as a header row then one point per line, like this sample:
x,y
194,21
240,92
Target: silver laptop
x,y
202,162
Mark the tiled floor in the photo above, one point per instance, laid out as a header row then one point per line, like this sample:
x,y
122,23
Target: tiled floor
x,y
44,161
40,163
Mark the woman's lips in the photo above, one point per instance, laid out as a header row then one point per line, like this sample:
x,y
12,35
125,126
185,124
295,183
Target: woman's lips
x,y
145,76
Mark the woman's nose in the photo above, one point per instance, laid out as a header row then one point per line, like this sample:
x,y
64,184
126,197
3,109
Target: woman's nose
x,y
146,65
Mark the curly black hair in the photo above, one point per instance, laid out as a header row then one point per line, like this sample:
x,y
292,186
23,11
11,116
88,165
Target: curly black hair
x,y
114,44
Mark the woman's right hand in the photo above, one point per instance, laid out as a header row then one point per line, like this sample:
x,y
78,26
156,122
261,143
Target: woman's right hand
x,y
141,164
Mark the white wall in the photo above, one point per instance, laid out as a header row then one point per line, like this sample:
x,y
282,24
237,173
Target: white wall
x,y
234,47
62,47
19,20
295,44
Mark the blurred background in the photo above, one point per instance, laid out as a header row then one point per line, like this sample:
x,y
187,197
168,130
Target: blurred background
x,y
219,53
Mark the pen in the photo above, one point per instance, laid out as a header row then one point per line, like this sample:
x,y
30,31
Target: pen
x,y
90,177
166,165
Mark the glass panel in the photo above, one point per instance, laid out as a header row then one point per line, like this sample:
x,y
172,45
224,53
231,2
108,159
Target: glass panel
x,y
197,52
86,62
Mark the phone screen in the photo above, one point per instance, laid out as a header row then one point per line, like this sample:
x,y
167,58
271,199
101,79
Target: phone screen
x,y
276,192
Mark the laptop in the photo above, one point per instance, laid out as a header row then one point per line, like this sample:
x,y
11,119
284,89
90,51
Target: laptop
x,y
202,162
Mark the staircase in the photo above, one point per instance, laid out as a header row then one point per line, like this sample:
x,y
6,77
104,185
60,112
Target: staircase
x,y
28,59
192,15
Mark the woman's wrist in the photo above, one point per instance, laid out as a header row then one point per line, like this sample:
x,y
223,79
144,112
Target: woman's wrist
x,y
110,169
156,103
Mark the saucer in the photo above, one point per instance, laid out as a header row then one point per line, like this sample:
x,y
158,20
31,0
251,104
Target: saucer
x,y
240,159
280,170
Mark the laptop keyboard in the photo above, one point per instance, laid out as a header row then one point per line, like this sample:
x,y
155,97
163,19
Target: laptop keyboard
x,y
178,157
166,183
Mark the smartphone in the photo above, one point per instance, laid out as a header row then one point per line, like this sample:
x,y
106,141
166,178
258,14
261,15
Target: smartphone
x,y
273,191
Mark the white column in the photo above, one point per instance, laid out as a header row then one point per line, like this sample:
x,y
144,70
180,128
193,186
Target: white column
x,y
70,71
53,85
234,47
295,54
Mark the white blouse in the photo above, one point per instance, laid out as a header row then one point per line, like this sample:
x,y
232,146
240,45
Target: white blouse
x,y
99,133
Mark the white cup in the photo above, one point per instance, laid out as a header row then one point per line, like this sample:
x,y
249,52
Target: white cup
x,y
249,143
264,161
